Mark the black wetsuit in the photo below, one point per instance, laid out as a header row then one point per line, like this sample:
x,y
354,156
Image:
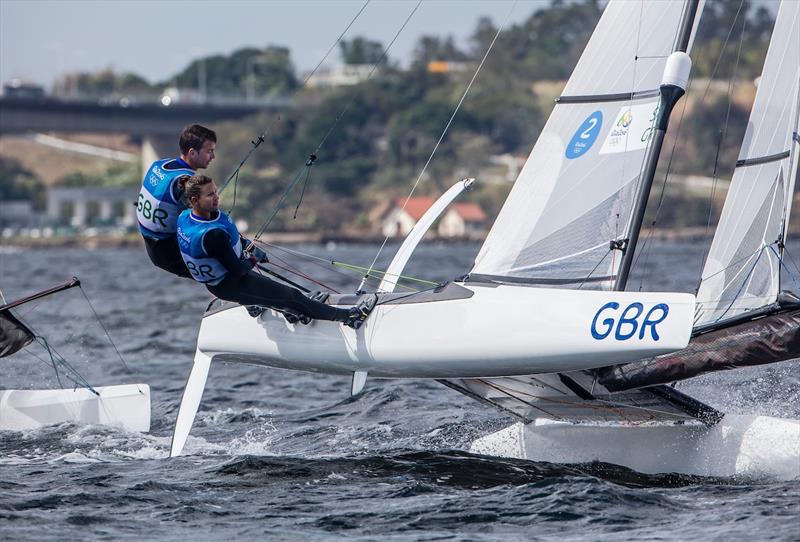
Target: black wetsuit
x,y
164,253
244,286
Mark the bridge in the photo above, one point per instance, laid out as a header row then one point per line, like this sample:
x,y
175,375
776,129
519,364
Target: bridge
x,y
154,125
141,120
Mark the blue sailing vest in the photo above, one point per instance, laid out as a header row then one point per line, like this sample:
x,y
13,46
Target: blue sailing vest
x,y
191,231
156,208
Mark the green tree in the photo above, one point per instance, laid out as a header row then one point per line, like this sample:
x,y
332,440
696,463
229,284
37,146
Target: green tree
x,y
17,183
361,50
430,48
267,71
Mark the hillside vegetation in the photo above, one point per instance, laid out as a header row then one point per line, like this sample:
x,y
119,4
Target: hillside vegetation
x,y
371,140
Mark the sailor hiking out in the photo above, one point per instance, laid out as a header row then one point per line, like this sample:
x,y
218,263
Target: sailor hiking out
x,y
161,197
214,254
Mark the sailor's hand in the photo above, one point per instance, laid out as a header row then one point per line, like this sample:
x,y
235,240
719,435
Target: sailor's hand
x,y
260,255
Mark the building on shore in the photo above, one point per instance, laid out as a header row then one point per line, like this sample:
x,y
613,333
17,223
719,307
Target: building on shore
x,y
459,221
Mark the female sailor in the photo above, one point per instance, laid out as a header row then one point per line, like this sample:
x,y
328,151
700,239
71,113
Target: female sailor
x,y
213,252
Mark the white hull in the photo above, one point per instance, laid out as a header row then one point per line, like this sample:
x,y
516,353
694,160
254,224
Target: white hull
x,y
124,406
753,446
498,330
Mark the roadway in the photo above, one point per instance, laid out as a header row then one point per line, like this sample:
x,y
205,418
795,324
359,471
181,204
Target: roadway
x,y
48,114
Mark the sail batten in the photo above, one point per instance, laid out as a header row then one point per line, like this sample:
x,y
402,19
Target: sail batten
x,y
762,159
600,98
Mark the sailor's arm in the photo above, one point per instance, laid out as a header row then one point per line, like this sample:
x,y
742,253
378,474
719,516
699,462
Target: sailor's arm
x,y
218,245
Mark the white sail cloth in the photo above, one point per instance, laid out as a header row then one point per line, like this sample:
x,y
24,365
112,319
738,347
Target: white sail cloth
x,y
742,271
575,193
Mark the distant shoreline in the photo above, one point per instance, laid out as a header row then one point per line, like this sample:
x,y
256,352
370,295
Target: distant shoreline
x,y
292,238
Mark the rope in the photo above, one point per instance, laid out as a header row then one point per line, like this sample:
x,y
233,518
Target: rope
x,y
313,156
97,317
260,139
723,133
444,132
610,251
374,67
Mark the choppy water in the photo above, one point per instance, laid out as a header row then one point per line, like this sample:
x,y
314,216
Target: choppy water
x,y
288,456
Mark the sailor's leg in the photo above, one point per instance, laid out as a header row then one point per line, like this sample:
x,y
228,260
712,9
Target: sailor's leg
x,y
165,254
254,289
190,402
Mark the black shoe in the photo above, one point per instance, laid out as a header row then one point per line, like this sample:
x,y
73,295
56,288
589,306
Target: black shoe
x,y
254,310
295,317
291,317
359,313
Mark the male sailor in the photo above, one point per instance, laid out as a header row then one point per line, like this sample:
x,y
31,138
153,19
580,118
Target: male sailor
x,y
161,197
213,251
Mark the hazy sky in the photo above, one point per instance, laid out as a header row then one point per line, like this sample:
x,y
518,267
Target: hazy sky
x,y
42,39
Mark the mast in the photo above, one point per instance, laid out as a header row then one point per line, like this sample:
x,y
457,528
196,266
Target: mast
x,y
673,86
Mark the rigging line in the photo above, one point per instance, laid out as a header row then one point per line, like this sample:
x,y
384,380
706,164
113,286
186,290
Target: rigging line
x,y
447,127
286,280
57,359
293,270
724,47
369,76
376,273
786,252
722,136
741,287
312,260
740,260
335,43
53,362
595,268
795,278
302,193
97,317
279,205
260,139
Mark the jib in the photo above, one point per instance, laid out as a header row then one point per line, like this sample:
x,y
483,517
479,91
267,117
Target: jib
x,y
625,324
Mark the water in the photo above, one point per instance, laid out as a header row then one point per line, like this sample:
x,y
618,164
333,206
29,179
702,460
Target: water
x,y
282,455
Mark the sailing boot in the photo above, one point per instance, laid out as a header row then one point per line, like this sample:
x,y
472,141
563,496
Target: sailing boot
x,y
360,312
254,310
295,317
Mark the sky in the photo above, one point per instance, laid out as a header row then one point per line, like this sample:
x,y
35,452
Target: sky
x,y
41,40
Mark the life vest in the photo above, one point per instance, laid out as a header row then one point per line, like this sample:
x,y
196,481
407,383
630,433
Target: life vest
x,y
191,231
156,208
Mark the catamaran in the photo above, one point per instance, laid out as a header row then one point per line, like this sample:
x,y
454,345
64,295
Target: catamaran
x,y
126,406
557,260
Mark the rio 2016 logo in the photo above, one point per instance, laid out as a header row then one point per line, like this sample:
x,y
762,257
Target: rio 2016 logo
x,y
625,324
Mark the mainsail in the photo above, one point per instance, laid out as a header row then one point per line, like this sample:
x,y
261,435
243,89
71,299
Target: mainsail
x,y
574,197
742,271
